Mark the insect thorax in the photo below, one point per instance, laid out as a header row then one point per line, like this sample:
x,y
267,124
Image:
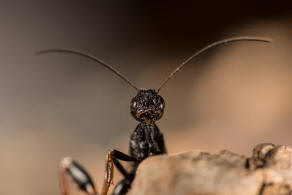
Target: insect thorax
x,y
146,140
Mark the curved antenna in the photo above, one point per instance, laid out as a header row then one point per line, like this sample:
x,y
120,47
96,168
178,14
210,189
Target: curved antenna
x,y
89,56
262,39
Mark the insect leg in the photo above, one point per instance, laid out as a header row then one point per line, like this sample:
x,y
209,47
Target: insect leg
x,y
122,156
112,157
122,170
78,174
82,178
122,187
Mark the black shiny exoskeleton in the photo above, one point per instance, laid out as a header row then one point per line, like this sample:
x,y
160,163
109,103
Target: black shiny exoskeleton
x,y
146,107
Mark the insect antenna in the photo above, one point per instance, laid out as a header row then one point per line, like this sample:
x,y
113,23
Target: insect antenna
x,y
89,56
224,41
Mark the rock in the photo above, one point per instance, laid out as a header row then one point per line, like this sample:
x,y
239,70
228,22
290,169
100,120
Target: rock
x,y
267,172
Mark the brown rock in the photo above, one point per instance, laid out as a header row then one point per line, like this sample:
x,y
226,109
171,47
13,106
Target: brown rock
x,y
267,172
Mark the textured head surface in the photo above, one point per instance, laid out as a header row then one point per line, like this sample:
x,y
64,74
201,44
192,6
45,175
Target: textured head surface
x,y
147,105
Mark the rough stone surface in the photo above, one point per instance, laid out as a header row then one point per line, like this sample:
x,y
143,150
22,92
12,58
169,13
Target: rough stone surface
x,y
267,172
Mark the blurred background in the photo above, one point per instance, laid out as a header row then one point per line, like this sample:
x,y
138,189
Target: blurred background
x,y
232,97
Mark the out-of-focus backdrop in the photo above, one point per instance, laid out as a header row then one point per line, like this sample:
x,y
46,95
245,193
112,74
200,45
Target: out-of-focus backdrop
x,y
232,97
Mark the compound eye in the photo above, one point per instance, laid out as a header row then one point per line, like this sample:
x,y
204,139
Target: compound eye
x,y
160,102
161,106
134,104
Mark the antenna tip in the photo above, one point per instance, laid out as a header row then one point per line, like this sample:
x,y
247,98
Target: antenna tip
x,y
267,39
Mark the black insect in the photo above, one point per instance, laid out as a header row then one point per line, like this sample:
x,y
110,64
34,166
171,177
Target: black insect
x,y
146,107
